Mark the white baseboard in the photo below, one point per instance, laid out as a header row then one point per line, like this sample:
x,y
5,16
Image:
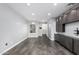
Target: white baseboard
x,y
13,45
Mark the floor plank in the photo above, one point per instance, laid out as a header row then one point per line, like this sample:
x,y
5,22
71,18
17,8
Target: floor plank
x,y
38,46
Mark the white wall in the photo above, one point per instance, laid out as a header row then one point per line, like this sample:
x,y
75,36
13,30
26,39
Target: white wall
x,y
51,28
69,29
12,28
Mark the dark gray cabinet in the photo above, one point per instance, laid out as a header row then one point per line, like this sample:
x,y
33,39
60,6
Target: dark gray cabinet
x,y
71,15
59,26
64,40
76,46
71,43
68,17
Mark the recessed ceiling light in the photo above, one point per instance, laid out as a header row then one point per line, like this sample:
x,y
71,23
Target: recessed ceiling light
x,y
55,4
28,4
33,13
49,14
33,22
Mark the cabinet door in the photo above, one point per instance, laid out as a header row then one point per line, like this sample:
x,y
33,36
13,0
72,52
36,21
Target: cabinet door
x,y
76,46
64,18
62,41
65,41
57,38
71,16
59,26
68,43
78,13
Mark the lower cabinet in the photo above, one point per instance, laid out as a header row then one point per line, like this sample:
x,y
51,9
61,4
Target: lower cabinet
x,y
64,40
76,46
72,44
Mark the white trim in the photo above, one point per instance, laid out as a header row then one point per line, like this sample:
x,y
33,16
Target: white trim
x,y
13,45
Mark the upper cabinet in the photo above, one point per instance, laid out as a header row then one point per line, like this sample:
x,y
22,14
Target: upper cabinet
x,y
64,18
77,13
59,26
72,15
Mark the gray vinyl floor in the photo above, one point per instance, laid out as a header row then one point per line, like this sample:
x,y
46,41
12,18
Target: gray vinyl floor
x,y
38,46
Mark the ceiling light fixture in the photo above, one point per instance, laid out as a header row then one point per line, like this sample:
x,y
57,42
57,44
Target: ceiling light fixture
x,y
55,4
49,14
33,22
28,4
33,13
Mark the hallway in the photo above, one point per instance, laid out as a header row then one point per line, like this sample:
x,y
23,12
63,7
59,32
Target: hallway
x,y
38,46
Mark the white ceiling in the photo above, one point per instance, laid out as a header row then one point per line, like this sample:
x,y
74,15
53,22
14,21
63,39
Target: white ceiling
x,y
39,11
